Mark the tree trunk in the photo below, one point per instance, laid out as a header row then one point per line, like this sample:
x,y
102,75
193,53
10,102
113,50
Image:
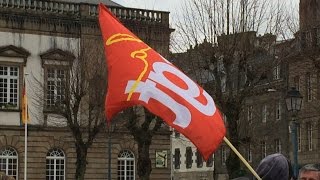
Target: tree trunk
x,y
144,163
233,161
81,163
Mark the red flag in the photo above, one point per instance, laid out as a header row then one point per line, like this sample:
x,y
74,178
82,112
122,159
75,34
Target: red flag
x,y
138,75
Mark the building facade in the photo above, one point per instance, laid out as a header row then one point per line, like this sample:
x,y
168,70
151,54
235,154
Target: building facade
x,y
187,162
304,76
265,122
38,40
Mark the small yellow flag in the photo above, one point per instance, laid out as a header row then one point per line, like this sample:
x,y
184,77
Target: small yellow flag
x,y
25,112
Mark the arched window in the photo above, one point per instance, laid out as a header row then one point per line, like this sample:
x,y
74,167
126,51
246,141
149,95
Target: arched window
x,y
126,165
9,161
55,165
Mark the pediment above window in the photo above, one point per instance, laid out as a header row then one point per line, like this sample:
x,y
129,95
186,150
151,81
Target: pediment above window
x,y
57,57
13,53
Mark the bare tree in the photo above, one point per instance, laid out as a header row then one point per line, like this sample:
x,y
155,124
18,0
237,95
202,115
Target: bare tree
x,y
142,125
74,94
225,55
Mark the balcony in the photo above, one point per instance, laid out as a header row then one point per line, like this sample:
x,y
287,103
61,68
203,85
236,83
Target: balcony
x,y
77,10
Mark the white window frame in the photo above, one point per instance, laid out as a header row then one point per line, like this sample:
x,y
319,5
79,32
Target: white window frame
x,y
299,137
223,84
309,135
278,145
263,145
56,155
250,113
296,81
276,72
225,120
318,36
278,111
264,113
55,80
309,88
249,153
9,153
223,155
309,38
126,156
10,77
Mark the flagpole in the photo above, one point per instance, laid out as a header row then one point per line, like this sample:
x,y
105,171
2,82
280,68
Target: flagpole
x,y
241,158
25,131
25,149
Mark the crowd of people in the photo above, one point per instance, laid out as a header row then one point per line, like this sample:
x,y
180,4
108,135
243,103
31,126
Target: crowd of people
x,y
278,167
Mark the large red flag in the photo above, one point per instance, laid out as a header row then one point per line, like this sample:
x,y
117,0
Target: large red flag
x,y
138,75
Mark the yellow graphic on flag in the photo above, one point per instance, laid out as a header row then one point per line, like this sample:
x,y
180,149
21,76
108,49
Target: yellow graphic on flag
x,y
121,37
140,54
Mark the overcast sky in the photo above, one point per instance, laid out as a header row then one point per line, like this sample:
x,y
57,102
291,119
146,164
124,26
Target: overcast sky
x,y
163,5
172,6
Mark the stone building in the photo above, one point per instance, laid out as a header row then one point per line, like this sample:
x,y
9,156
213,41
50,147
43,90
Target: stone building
x,y
187,161
304,66
262,127
34,35
264,121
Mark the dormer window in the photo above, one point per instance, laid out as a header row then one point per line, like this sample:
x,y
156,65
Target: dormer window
x,y
12,61
56,64
9,83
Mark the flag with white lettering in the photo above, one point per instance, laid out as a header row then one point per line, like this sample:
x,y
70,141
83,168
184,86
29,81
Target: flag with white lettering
x,y
138,75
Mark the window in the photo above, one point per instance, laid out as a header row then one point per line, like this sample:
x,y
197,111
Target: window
x,y
126,165
199,160
309,136
9,91
299,137
278,110
188,157
264,113
249,117
309,38
309,90
276,72
223,155
56,86
303,39
225,120
277,145
177,158
318,37
176,134
223,84
249,153
296,81
210,161
9,161
55,165
263,146
57,64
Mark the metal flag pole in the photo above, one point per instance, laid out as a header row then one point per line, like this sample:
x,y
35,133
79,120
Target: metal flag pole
x,y
25,149
241,158
25,130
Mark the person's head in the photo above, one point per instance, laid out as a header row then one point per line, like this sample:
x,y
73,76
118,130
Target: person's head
x,y
275,167
310,172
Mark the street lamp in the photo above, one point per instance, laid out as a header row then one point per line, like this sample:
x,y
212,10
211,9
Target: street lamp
x,y
293,102
110,129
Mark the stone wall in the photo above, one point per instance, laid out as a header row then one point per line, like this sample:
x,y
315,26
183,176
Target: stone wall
x,y
41,140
